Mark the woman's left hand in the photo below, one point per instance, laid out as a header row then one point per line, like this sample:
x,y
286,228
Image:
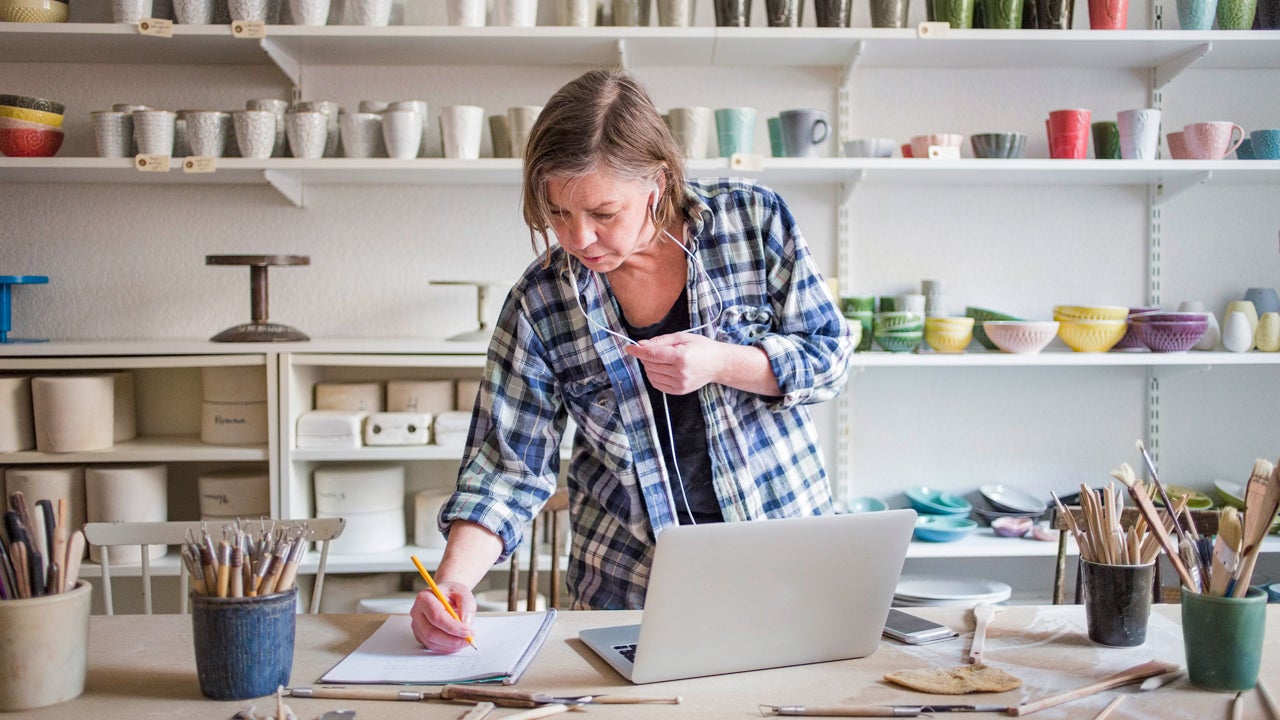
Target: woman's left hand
x,y
679,363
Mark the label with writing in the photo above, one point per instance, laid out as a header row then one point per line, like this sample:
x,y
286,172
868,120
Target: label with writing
x,y
744,161
156,27
151,163
249,29
944,152
200,164
933,29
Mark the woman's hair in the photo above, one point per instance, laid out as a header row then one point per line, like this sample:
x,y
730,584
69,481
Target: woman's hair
x,y
603,120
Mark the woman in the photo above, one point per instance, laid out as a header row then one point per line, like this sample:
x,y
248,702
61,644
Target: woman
x,y
681,325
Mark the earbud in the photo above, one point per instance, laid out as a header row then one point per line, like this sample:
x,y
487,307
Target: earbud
x,y
657,194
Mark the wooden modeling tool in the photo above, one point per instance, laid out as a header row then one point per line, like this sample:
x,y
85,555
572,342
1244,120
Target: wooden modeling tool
x,y
1262,499
1125,475
982,614
1125,677
1106,711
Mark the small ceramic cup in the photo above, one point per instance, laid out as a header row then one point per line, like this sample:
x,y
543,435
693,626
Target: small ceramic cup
x,y
130,11
307,131
362,135
461,128
1212,140
870,147
309,12
1177,144
249,10
402,133
153,131
113,132
278,108
1265,144
421,107
206,132
193,12
255,132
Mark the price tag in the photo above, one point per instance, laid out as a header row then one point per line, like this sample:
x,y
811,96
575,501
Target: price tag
x,y
742,161
249,29
933,29
944,152
156,27
200,164
151,163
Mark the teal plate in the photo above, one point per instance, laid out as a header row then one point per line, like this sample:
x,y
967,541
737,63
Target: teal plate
x,y
943,528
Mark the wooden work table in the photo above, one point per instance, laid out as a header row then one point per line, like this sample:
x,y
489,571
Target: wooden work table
x,y
143,667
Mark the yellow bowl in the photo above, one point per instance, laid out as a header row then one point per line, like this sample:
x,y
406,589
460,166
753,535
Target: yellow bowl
x,y
1091,335
35,116
946,336
34,11
1089,312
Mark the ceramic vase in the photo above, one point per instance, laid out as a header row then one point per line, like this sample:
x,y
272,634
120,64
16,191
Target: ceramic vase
x,y
1212,334
1267,336
1264,299
1237,336
1249,309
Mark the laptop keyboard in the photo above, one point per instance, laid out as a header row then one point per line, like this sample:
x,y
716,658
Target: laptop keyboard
x,y
627,651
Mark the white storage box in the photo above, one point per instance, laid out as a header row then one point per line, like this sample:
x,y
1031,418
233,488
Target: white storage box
x,y
242,493
397,428
330,428
234,383
369,532
361,396
234,423
17,425
371,499
450,429
73,413
424,396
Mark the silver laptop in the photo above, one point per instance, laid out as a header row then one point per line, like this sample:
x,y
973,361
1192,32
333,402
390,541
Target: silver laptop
x,y
730,597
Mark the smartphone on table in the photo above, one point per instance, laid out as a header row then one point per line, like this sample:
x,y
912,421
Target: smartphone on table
x,y
915,630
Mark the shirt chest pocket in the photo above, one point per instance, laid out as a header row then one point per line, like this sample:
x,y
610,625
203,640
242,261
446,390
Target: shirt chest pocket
x,y
593,406
745,324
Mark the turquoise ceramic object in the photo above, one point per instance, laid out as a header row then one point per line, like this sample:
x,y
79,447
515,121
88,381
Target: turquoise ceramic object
x,y
865,504
937,502
943,528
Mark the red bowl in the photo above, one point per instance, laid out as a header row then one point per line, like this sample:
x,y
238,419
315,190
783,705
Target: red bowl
x,y
28,142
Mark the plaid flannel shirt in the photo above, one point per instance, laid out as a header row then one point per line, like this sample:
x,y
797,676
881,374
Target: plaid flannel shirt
x,y
546,363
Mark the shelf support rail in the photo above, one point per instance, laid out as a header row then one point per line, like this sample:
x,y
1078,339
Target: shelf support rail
x,y
288,184
844,96
287,63
1173,187
622,55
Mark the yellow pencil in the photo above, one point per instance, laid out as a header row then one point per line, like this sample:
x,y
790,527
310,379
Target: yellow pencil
x,y
435,589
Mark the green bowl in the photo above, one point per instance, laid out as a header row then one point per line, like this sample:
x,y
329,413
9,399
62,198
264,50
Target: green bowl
x,y
981,315
899,342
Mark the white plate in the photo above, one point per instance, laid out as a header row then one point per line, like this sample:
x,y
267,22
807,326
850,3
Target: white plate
x,y
932,587
1013,500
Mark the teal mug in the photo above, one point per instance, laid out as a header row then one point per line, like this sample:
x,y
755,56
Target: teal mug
x,y
735,130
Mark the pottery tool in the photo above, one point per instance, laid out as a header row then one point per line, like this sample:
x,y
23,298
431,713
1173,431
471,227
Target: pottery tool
x,y
75,552
541,712
1262,499
1269,700
1124,677
502,697
1237,707
435,590
479,712
983,612
1125,475
1106,711
1185,546
1159,681
873,710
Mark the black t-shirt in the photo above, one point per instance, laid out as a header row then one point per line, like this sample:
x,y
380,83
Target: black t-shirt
x,y
687,428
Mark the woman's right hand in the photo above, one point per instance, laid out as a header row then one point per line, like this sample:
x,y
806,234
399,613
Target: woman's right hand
x,y
434,627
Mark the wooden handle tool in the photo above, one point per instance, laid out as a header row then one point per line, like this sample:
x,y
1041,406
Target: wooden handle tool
x,y
1125,475
982,614
1124,677
1106,711
75,553
540,712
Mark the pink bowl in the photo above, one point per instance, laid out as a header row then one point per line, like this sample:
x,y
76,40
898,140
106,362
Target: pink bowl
x,y
8,122
1024,337
28,142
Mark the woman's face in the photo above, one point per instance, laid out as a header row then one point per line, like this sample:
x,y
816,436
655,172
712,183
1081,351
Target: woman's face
x,y
601,220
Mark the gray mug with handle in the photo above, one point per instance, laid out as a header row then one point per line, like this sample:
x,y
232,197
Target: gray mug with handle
x,y
804,131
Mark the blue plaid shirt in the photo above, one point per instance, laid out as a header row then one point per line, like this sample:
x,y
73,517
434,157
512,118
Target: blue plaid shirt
x,y
547,364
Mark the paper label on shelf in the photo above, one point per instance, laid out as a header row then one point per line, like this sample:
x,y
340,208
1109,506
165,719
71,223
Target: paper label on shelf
x,y
200,164
156,27
933,29
249,29
743,161
944,152
151,163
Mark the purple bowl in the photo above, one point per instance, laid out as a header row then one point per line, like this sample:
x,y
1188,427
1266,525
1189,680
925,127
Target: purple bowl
x,y
1165,316
1130,340
1171,336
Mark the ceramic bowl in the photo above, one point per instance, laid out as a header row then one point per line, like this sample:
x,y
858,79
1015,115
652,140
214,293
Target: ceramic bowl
x,y
1090,312
948,335
920,143
865,503
981,316
898,321
33,103
34,11
943,528
899,341
998,144
870,148
1012,526
1024,337
35,116
1010,500
1196,500
1130,340
1091,335
1175,336
1273,592
8,122
1231,493
25,142
932,501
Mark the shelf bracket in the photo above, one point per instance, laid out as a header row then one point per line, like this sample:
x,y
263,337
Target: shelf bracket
x,y
287,63
844,95
1168,70
622,55
1165,372
1174,187
288,184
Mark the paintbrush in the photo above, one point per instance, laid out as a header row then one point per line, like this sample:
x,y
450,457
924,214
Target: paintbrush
x,y
1226,552
1185,546
1258,512
1125,475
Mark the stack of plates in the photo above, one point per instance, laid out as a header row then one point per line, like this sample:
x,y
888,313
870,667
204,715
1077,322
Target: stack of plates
x,y
918,590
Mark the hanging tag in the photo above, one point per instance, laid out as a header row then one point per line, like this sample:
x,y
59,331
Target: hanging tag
x,y
750,163
156,27
249,29
200,164
151,163
933,29
944,152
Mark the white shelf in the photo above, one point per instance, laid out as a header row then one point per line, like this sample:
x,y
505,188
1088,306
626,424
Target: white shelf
x,y
228,353
164,448
368,454
1062,358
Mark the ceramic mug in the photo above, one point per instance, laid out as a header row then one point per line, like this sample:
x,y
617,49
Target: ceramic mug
x,y
1265,144
1000,14
461,127
362,135
735,130
1177,144
958,13
889,13
1106,140
1212,140
1139,133
1267,336
255,132
516,13
1196,14
729,13
804,132
1069,133
1108,14
869,147
466,13
776,147
1236,14
500,133
691,128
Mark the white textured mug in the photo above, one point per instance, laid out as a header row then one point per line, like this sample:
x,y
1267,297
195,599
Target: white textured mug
x,y
1139,133
308,132
362,135
309,12
255,133
193,12
368,12
402,132
520,121
461,127
130,11
206,133
691,128
465,13
153,131
515,13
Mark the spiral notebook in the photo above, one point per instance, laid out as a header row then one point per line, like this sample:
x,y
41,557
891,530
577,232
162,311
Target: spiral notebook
x,y
391,655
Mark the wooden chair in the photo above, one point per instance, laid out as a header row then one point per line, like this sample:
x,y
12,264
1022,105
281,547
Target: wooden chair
x,y
1206,523
142,534
555,511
